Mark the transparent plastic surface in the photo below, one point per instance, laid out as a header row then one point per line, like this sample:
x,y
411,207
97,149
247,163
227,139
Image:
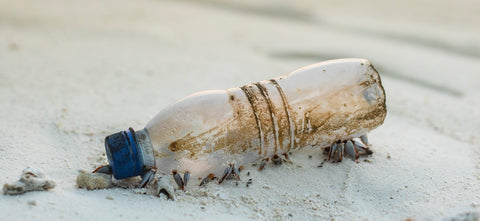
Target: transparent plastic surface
x,y
313,106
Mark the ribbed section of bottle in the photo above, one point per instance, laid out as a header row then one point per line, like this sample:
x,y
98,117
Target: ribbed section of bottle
x,y
262,107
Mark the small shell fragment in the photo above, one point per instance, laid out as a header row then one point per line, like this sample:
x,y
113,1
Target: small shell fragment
x,y
31,180
92,181
164,186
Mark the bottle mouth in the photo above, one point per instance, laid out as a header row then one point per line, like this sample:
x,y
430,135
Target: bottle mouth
x,y
124,154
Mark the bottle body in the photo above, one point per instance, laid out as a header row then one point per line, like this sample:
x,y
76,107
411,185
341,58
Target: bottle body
x,y
313,106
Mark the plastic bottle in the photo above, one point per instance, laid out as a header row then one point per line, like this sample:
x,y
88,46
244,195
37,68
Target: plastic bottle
x,y
313,106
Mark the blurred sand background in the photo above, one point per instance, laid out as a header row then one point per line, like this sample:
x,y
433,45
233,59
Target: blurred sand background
x,y
72,72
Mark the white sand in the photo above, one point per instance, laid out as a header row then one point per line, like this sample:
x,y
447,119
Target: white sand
x,y
72,72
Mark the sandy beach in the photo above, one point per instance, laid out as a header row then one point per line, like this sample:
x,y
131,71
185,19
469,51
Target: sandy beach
x,y
73,72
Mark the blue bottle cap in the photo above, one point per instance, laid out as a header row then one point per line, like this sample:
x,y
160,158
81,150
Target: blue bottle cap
x,y
124,154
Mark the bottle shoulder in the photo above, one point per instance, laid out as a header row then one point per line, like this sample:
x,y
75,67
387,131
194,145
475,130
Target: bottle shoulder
x,y
188,116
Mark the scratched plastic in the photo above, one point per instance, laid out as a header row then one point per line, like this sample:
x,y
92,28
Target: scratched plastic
x,y
313,106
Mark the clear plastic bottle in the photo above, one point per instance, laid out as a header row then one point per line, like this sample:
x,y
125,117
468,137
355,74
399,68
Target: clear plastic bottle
x,y
313,106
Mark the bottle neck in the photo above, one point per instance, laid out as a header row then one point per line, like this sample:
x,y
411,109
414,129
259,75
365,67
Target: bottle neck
x,y
146,148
